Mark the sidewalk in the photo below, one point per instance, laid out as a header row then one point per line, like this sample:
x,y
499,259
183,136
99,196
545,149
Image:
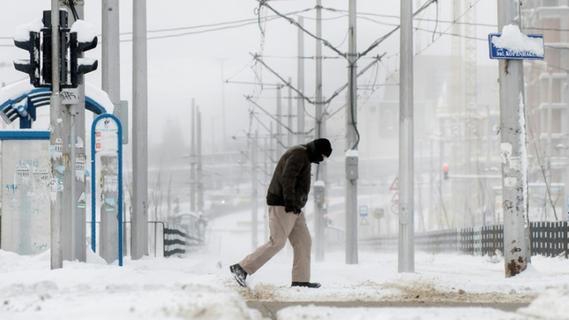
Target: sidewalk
x,y
269,309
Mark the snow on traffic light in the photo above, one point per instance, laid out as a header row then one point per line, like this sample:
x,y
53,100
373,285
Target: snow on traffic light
x,y
81,39
28,38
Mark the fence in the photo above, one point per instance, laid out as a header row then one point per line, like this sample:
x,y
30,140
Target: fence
x,y
179,242
166,239
547,239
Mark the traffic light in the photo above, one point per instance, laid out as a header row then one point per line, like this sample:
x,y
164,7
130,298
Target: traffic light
x,y
81,65
30,66
445,170
46,68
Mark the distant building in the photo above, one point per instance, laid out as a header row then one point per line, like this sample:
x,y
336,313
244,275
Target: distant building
x,y
547,97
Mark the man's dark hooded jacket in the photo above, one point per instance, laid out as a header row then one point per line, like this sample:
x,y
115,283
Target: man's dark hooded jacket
x,y
290,184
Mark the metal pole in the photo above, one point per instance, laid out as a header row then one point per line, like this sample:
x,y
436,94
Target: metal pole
x,y
279,118
351,144
223,115
318,194
200,200
193,158
300,79
406,166
289,116
513,151
110,51
549,153
267,158
56,144
139,229
272,144
67,216
254,222
80,160
74,220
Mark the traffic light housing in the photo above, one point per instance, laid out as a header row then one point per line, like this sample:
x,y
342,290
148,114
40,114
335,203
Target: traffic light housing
x,y
46,68
80,65
72,44
30,66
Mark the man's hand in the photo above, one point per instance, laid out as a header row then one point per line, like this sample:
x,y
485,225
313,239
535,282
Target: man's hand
x,y
290,208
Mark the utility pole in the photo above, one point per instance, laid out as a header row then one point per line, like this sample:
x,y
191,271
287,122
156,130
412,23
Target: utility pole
x,y
79,162
289,116
223,115
73,222
67,218
56,143
319,185
254,222
193,157
300,79
139,220
406,257
267,158
351,144
273,144
200,200
514,152
279,116
110,51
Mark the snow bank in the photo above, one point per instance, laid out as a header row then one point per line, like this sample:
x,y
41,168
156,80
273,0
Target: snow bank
x,y
23,31
85,31
514,40
552,304
330,313
143,289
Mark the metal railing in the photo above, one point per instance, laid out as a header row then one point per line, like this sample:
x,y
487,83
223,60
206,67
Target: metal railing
x,y
547,238
156,242
179,242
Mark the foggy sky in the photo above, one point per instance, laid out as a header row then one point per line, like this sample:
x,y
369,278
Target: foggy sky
x,y
190,66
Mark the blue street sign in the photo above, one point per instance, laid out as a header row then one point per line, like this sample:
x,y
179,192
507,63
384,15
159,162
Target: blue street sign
x,y
503,53
106,147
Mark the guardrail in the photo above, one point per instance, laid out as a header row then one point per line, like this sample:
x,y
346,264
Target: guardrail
x,y
547,238
179,242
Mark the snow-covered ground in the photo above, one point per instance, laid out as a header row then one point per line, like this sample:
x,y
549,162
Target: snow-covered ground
x,y
145,289
200,287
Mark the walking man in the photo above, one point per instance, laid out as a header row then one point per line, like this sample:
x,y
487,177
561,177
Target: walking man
x,y
287,195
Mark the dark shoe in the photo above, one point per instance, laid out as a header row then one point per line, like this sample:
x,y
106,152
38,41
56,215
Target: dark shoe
x,y
305,284
239,274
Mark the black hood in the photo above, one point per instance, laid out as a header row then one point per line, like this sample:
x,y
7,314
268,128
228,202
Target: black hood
x,y
317,149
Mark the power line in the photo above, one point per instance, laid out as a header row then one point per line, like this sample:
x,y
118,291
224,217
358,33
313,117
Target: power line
x,y
211,27
390,33
218,24
449,27
292,21
177,35
297,57
479,24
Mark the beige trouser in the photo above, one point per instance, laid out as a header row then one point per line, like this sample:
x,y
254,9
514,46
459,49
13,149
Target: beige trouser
x,y
282,226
